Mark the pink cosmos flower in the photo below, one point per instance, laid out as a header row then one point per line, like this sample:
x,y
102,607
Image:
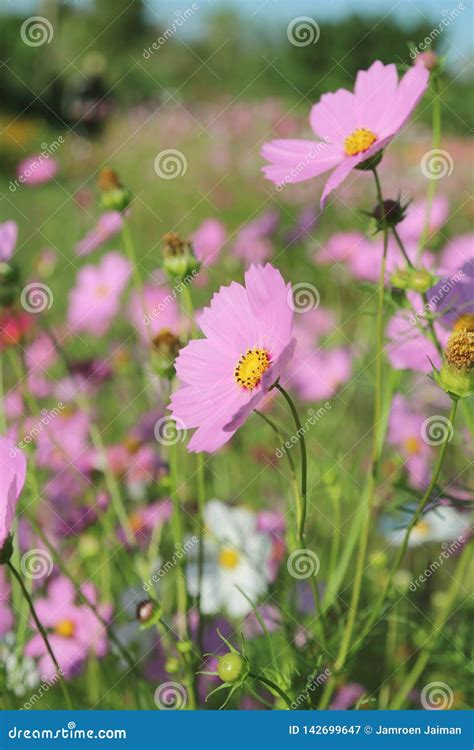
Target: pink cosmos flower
x,y
253,243
36,169
94,302
318,371
8,238
109,224
405,430
74,630
225,375
64,441
155,311
12,479
353,127
408,347
207,241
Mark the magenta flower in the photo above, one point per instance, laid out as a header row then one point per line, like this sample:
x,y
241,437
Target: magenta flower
x,y
95,300
109,224
12,479
207,241
73,630
405,432
153,312
36,169
225,375
408,347
352,127
8,238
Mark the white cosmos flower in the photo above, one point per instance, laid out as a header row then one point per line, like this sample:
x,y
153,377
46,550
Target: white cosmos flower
x,y
442,524
235,555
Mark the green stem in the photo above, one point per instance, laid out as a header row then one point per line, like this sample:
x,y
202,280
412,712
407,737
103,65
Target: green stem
x,y
269,683
43,634
432,184
439,622
130,250
431,329
201,494
378,606
301,511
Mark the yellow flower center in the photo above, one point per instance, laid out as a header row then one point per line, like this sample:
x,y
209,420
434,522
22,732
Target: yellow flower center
x,y
66,628
465,323
136,522
412,445
101,291
423,528
250,368
358,141
228,558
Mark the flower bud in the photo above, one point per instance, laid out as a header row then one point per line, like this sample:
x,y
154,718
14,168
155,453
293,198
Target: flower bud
x,y
400,278
390,213
421,280
113,195
145,610
230,667
428,59
178,257
165,350
456,376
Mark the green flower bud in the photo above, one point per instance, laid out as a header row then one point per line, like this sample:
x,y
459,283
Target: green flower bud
x,y
389,214
178,257
184,647
113,195
400,278
230,667
421,280
172,665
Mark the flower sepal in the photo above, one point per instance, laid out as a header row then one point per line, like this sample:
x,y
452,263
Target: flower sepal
x,y
178,257
371,163
7,550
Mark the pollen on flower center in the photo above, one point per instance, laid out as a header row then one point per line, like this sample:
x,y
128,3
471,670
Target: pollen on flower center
x,y
250,368
422,527
412,444
228,558
66,628
359,141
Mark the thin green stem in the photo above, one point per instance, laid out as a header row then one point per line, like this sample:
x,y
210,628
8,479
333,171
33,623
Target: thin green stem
x,y
438,624
130,250
425,499
269,683
304,463
374,465
43,634
432,183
